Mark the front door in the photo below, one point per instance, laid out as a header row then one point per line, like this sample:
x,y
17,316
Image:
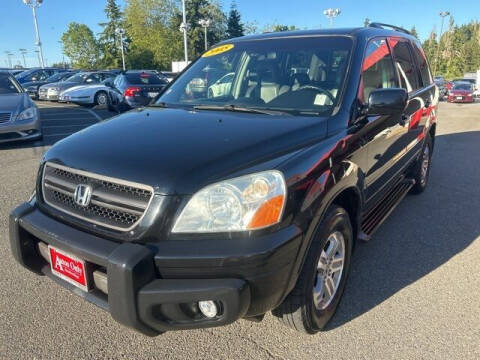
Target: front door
x,y
383,134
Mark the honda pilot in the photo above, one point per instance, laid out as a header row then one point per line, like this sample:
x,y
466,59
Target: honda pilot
x,y
218,203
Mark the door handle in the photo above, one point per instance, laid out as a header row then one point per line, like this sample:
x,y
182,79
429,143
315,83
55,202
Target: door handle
x,y
403,121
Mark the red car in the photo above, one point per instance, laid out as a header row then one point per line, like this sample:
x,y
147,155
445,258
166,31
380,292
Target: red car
x,y
461,92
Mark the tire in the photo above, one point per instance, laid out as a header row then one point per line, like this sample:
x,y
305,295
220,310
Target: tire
x,y
300,310
101,98
421,169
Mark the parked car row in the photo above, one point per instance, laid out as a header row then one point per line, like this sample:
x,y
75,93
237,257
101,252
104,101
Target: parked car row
x,y
457,90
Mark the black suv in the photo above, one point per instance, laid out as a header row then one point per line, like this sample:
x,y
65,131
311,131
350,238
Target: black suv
x,y
209,206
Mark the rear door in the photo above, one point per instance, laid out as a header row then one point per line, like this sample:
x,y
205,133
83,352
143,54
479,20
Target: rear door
x,y
415,77
427,98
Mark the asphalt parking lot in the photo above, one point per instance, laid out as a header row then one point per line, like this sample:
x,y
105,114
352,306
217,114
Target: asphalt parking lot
x,y
413,291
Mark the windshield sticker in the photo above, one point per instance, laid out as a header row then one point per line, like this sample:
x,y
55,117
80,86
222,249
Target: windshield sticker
x,y
218,50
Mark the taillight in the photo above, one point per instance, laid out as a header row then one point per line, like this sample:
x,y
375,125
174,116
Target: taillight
x,y
131,91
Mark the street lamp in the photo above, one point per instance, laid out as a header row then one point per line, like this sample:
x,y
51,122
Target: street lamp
x,y
443,15
331,14
23,52
205,23
121,32
9,55
38,56
34,4
184,28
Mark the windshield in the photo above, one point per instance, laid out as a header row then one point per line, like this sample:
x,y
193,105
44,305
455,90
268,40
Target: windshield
x,y
56,77
77,77
462,87
302,75
7,86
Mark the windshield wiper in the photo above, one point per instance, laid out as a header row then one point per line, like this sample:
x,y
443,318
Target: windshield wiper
x,y
231,107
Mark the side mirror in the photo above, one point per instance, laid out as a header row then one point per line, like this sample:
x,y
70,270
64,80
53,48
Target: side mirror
x,y
387,101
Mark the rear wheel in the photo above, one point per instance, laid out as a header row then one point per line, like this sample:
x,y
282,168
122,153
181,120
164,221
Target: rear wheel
x,y
101,98
421,170
320,285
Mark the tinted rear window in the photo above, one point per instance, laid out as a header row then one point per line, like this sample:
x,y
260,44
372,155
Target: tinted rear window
x,y
144,79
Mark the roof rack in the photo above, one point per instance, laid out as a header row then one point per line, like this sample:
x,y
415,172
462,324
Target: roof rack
x,y
383,26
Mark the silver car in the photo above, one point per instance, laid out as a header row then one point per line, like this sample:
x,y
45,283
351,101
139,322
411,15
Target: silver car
x,y
19,116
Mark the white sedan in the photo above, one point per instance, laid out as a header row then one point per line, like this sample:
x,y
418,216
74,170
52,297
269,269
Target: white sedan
x,y
96,94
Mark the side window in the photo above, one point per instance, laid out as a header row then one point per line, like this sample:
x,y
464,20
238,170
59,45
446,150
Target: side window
x,y
377,69
422,64
404,64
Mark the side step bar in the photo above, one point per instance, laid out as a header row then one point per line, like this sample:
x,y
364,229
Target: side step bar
x,y
376,216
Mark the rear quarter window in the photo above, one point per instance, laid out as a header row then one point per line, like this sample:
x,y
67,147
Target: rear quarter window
x,y
422,63
409,78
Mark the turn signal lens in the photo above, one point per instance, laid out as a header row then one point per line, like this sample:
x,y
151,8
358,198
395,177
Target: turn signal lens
x,y
269,213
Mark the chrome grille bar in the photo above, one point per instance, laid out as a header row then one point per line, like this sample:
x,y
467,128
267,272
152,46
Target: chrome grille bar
x,y
115,204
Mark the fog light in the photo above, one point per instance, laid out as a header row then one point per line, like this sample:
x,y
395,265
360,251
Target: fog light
x,y
208,308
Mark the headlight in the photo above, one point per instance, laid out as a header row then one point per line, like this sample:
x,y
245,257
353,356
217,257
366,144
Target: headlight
x,y
26,114
245,203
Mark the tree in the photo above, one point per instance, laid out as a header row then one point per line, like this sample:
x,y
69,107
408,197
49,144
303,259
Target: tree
x,y
235,27
108,39
279,27
203,9
153,29
80,46
366,22
414,32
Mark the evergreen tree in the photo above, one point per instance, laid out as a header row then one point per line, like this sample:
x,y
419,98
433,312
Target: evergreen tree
x,y
108,39
234,25
414,32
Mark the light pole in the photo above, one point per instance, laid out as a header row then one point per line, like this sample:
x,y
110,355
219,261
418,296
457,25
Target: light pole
x,y
443,15
34,4
9,54
38,57
120,32
183,28
23,52
331,14
205,23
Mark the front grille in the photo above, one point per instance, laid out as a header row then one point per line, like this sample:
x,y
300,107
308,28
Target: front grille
x,y
115,204
5,117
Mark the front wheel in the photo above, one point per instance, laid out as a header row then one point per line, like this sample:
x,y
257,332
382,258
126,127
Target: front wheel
x,y
320,285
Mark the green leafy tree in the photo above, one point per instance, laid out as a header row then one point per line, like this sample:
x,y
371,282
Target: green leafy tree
x,y
280,27
108,39
235,27
203,9
366,22
80,46
153,29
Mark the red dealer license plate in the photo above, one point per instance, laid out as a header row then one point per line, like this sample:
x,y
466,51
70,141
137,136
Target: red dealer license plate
x,y
68,267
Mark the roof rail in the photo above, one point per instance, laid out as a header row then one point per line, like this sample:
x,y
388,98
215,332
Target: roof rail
x,y
383,26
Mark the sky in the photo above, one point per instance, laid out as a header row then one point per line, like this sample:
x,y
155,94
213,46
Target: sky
x,y
17,30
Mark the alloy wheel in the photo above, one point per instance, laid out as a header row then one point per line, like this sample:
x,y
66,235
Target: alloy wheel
x,y
329,270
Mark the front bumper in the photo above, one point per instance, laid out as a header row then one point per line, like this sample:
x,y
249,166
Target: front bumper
x,y
48,96
147,290
20,130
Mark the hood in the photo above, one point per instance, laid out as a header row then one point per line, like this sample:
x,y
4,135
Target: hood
x,y
178,151
34,83
92,88
14,103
